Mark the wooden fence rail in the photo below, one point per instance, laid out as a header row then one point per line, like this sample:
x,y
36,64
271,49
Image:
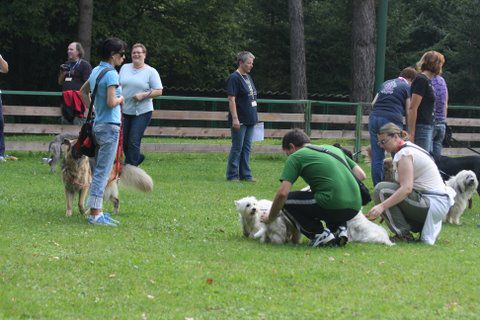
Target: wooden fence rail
x,y
343,121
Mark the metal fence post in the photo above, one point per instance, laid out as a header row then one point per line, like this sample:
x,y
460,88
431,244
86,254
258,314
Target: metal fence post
x,y
308,117
358,130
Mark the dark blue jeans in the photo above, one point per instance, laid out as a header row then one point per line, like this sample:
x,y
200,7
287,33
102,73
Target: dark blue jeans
x,y
378,154
133,130
424,136
438,136
106,136
238,166
2,139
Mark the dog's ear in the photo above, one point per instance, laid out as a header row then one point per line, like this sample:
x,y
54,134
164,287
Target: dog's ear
x,y
69,142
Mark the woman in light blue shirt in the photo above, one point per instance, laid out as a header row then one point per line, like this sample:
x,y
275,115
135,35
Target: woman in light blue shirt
x,y
106,128
140,83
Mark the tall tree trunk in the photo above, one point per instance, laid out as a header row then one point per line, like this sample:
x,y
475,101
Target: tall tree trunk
x,y
298,74
363,50
85,26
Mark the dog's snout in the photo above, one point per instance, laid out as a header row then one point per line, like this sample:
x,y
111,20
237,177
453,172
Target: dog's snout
x,y
253,210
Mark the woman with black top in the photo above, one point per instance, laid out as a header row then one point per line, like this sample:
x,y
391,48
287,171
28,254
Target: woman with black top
x,y
420,115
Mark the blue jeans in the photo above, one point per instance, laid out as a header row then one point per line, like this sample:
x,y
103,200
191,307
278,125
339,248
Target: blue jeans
x,y
106,138
378,154
238,166
2,139
133,130
424,136
438,136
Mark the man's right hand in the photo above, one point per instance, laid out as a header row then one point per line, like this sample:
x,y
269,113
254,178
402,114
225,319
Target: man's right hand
x,y
236,124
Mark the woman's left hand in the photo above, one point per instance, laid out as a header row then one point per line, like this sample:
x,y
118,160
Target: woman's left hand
x,y
375,212
140,96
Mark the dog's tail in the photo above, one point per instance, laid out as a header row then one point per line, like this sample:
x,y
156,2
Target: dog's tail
x,y
137,178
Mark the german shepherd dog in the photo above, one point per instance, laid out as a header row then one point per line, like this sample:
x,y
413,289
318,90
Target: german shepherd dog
x,y
77,177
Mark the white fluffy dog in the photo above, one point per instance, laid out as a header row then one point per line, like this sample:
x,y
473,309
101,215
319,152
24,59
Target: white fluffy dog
x,y
465,183
280,231
360,229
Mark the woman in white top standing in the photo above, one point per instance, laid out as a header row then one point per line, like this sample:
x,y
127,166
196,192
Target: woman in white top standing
x,y
418,200
140,83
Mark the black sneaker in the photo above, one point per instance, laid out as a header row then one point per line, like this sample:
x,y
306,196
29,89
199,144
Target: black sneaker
x,y
324,239
341,236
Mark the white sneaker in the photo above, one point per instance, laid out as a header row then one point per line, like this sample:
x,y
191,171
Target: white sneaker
x,y
46,160
2,159
326,238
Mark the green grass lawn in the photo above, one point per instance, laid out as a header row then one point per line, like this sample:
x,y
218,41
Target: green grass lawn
x,y
180,254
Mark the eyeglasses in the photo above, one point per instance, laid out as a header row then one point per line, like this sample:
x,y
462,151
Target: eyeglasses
x,y
384,141
138,52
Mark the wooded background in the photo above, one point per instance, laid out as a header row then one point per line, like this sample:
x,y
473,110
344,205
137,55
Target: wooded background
x,y
193,42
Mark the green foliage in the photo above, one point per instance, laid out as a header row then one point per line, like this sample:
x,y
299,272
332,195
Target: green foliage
x,y
193,43
179,253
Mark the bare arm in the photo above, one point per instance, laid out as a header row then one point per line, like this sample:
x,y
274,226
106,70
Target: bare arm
x,y
407,107
446,104
233,111
375,99
279,201
112,99
148,94
405,174
3,65
61,77
85,93
359,173
412,115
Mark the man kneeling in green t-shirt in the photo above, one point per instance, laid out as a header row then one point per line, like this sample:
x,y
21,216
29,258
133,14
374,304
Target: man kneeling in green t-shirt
x,y
334,197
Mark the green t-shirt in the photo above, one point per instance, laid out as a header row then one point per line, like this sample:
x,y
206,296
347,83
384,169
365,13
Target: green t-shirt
x,y
332,183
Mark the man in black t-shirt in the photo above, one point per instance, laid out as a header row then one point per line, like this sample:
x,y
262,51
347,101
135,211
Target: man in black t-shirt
x,y
73,74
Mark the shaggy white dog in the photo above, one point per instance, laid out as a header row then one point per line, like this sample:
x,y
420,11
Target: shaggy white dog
x,y
279,231
360,229
465,183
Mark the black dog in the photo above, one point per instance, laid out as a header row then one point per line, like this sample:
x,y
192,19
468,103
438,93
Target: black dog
x,y
347,152
451,166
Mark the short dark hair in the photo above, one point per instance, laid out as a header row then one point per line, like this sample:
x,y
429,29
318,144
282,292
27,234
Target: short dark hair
x,y
408,73
296,137
111,46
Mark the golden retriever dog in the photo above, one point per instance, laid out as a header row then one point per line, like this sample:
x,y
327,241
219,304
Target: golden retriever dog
x,y
77,177
464,183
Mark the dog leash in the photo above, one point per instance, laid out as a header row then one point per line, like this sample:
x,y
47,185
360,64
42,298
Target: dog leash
x,y
119,155
460,144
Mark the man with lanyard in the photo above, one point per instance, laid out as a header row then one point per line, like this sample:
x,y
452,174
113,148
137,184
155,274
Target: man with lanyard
x,y
3,69
73,74
242,102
